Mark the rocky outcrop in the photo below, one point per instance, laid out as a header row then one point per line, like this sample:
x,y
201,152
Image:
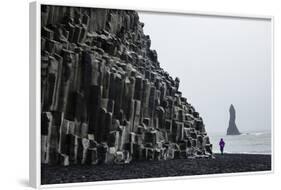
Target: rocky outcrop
x,y
232,128
104,96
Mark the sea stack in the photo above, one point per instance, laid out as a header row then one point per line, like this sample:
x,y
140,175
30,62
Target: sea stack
x,y
232,128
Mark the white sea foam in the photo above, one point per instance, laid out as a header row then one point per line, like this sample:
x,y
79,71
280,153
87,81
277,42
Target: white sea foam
x,y
257,142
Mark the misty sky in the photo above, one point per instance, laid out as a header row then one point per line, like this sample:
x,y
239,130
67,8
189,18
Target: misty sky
x,y
220,61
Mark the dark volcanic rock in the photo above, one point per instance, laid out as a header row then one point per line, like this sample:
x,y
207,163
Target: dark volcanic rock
x,y
227,163
105,97
232,128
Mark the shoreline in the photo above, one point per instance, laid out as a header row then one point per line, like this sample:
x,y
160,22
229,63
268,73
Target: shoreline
x,y
243,153
227,163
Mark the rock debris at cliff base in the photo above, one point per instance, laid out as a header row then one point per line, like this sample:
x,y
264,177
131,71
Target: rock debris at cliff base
x,y
104,96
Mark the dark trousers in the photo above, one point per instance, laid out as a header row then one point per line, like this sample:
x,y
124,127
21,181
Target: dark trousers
x,y
221,150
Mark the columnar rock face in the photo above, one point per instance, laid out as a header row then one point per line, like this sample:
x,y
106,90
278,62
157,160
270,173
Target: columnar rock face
x,y
104,96
232,128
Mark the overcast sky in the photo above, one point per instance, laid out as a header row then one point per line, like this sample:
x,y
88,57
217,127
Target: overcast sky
x,y
220,61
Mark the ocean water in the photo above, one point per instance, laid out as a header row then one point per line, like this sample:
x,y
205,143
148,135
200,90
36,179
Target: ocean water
x,y
256,142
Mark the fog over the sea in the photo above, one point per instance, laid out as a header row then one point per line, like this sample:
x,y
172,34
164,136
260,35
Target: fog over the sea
x,y
220,61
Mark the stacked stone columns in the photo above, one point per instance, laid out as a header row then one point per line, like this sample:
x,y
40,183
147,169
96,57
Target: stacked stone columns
x,y
104,96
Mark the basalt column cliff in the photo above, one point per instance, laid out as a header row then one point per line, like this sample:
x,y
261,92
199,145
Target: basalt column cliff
x,y
104,96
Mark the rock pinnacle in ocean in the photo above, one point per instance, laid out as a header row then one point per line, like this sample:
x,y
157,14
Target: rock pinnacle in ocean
x,y
232,128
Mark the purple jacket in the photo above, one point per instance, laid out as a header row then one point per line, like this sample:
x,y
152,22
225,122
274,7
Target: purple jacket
x,y
222,143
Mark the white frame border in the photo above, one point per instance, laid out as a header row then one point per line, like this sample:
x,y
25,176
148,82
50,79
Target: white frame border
x,y
35,86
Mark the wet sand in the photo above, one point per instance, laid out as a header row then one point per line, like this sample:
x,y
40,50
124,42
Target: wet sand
x,y
227,163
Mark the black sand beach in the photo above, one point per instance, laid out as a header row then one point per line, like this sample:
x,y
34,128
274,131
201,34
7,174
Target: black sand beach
x,y
228,163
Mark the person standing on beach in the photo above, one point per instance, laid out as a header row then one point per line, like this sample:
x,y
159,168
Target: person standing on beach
x,y
222,143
